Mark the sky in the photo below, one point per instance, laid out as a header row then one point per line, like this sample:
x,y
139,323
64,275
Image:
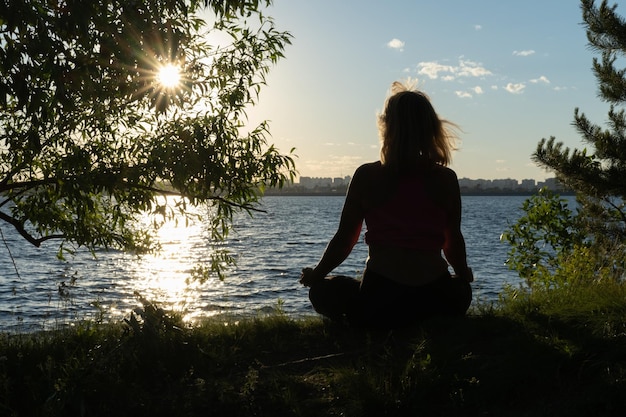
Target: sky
x,y
509,73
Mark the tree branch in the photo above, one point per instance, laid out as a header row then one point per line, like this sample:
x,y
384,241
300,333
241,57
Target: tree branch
x,y
22,231
26,184
180,194
618,209
17,271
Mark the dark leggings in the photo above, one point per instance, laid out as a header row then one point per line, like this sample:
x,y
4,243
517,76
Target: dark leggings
x,y
378,302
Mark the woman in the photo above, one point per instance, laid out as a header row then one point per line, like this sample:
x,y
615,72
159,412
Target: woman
x,y
411,205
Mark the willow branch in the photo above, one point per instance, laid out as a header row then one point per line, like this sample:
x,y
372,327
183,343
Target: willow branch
x,y
26,184
181,194
17,271
22,231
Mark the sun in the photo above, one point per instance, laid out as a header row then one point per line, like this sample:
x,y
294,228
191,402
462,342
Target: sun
x,y
169,76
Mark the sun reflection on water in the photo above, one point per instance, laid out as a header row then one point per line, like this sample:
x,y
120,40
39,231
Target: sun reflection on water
x,y
164,276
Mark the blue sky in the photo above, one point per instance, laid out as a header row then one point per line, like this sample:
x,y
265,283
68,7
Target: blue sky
x,y
508,72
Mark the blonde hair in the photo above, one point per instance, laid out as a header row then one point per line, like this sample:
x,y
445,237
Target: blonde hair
x,y
412,134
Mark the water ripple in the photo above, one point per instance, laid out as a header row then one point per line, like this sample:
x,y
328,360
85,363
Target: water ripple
x,y
270,249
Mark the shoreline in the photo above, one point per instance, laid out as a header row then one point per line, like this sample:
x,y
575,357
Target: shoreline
x,y
342,193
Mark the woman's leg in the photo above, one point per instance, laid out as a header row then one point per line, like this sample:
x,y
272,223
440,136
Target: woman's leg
x,y
381,303
387,304
335,297
454,295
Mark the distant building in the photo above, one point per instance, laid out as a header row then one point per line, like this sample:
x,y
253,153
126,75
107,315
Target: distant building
x,y
528,185
477,184
505,185
551,183
467,185
315,182
341,182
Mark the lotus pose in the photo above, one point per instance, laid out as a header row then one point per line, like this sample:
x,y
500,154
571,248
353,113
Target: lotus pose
x,y
411,205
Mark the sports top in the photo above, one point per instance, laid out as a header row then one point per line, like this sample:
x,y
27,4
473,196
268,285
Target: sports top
x,y
410,219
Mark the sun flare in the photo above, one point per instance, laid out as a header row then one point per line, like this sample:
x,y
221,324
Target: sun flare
x,y
169,76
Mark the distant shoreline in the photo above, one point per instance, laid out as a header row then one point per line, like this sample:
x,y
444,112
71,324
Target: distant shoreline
x,y
290,192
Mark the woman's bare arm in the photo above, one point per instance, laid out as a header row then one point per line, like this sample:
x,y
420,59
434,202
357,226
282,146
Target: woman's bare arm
x,y
347,235
454,245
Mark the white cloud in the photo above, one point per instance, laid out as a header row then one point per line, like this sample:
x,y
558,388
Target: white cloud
x,y
396,44
542,79
515,88
433,69
527,52
472,69
478,27
463,94
465,68
470,93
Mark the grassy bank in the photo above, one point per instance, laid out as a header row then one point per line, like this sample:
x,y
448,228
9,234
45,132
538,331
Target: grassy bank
x,y
540,355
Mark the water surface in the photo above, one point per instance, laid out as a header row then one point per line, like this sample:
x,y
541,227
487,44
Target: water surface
x,y
271,248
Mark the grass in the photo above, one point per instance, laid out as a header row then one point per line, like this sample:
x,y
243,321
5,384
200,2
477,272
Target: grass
x,y
559,353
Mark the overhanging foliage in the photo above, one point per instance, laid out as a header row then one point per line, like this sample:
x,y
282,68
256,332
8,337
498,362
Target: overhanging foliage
x,y
89,138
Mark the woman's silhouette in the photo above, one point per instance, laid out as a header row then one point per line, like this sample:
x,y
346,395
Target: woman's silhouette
x,y
411,204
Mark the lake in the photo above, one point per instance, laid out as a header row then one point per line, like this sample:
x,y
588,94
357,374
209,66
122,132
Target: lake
x,y
37,291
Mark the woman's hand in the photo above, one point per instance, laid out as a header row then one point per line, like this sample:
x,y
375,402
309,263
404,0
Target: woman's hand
x,y
309,277
467,275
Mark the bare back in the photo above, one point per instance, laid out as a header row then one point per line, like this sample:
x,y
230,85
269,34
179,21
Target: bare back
x,y
373,187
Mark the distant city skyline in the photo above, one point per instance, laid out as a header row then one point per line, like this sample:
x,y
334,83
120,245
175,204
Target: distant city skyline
x,y
467,183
